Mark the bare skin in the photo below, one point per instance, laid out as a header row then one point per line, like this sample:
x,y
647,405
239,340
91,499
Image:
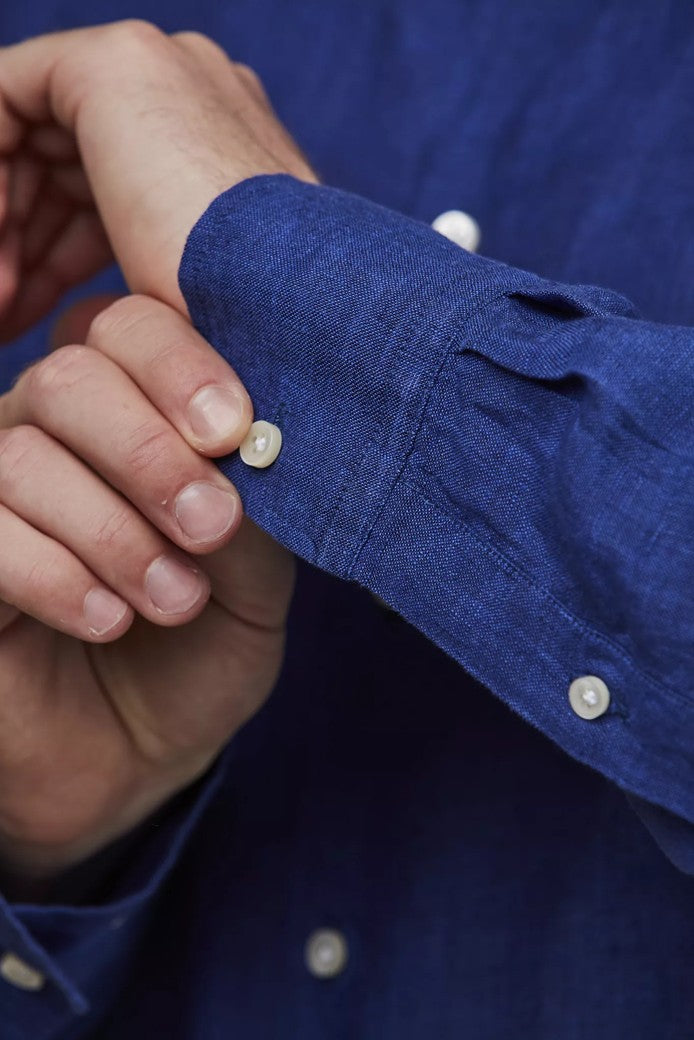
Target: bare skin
x,y
114,140
121,677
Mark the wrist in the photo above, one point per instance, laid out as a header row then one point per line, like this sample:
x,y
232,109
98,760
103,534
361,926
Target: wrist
x,y
35,854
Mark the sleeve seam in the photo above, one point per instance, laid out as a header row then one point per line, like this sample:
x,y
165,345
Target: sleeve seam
x,y
451,345
517,573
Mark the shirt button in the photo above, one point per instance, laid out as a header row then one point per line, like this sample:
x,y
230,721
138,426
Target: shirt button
x,y
20,974
589,697
326,953
460,228
261,445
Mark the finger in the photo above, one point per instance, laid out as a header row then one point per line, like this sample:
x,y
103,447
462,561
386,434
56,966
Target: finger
x,y
203,48
80,251
90,405
71,181
181,374
4,191
253,578
55,493
8,614
10,249
245,619
26,175
52,143
42,578
27,82
11,127
127,90
219,65
123,82
252,83
50,215
171,671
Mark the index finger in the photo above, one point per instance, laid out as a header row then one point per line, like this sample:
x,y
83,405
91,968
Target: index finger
x,y
11,129
182,375
27,84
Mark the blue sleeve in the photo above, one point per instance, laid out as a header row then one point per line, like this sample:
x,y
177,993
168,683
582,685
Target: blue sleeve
x,y
508,462
79,946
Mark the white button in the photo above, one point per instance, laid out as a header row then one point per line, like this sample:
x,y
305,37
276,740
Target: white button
x,y
262,444
460,227
20,974
589,697
326,953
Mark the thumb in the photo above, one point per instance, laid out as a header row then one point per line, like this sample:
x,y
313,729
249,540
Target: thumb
x,y
73,324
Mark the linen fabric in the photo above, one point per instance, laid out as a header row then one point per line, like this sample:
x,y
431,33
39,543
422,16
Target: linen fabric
x,y
500,448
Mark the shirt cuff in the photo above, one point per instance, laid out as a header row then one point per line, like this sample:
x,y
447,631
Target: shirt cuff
x,y
349,324
79,952
337,314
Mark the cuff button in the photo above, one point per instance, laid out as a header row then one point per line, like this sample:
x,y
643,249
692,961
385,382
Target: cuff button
x,y
261,445
589,697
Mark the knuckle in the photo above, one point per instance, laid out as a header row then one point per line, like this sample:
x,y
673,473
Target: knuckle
x,y
18,446
249,76
118,319
201,46
148,447
177,358
136,32
247,72
82,70
114,530
60,371
194,39
42,578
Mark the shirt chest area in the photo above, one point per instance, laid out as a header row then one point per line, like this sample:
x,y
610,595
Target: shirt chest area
x,y
564,133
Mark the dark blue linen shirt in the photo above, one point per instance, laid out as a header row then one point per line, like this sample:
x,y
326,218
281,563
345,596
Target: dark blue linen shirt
x,y
501,448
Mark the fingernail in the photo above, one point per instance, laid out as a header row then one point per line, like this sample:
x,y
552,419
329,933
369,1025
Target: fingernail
x,y
215,413
172,587
102,611
205,512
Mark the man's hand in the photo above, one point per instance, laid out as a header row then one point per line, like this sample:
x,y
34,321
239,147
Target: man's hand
x,y
113,141
115,529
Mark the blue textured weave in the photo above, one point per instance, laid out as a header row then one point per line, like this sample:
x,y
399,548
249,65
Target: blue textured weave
x,y
499,447
466,440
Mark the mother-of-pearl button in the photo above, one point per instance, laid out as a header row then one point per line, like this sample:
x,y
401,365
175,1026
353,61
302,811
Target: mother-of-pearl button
x,y
460,228
589,696
261,445
20,974
326,953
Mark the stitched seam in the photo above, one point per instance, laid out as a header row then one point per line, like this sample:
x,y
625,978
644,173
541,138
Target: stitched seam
x,y
398,342
400,339
499,558
514,571
510,568
450,347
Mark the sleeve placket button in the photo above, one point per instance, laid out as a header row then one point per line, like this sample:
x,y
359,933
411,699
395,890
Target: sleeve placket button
x,y
261,445
589,697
